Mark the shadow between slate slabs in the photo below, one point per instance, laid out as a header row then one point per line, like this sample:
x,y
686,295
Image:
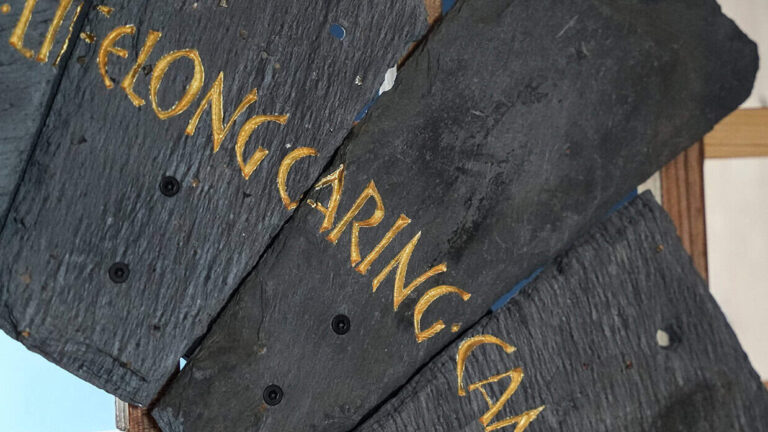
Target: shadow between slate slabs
x,y
586,339
90,196
513,129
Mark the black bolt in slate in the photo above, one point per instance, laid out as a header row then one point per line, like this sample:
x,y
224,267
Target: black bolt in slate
x,y
273,395
169,186
340,324
503,146
321,113
119,272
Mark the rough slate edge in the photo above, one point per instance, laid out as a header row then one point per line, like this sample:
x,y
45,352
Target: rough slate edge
x,y
585,333
111,362
27,89
202,401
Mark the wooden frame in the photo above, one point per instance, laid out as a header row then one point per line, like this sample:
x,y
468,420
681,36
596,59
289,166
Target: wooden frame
x,y
742,134
682,185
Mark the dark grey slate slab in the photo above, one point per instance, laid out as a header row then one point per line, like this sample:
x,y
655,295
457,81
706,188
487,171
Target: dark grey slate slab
x,y
514,128
91,195
588,334
26,87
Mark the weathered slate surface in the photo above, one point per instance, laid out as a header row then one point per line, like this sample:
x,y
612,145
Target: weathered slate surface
x,y
586,338
515,127
90,197
25,87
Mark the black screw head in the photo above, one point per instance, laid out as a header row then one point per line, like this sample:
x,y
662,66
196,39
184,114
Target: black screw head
x,y
340,324
169,186
119,272
273,395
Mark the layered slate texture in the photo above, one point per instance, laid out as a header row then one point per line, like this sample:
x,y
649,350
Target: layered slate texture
x,y
514,128
90,195
588,334
25,86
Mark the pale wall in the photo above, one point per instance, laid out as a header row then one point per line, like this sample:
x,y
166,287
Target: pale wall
x,y
736,201
752,17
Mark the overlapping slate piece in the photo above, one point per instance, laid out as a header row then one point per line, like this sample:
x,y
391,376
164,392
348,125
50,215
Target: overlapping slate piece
x,y
513,129
90,196
25,86
586,338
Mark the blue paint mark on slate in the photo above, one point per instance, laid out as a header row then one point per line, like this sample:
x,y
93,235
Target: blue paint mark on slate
x,y
365,109
519,286
447,5
623,202
337,31
516,289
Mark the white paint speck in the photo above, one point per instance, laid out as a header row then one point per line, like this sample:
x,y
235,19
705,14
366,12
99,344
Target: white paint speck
x,y
389,80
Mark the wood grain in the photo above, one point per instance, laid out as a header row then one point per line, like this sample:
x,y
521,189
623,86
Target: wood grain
x,y
682,182
586,337
744,133
139,420
434,10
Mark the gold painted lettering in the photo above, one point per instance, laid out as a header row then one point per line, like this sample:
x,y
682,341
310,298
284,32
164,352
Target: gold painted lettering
x,y
130,79
193,88
469,345
69,34
254,161
522,421
515,376
88,37
401,261
285,168
215,98
336,181
108,47
53,29
105,10
378,214
17,36
401,223
426,300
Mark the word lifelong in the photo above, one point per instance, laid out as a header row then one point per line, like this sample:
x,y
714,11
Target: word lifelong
x,y
213,98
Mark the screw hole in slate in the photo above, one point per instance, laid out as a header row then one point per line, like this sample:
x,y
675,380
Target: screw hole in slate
x,y
119,272
341,324
169,186
273,395
338,31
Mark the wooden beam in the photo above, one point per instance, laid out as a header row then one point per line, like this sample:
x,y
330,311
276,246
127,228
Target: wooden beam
x,y
434,10
139,420
744,133
682,183
121,415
